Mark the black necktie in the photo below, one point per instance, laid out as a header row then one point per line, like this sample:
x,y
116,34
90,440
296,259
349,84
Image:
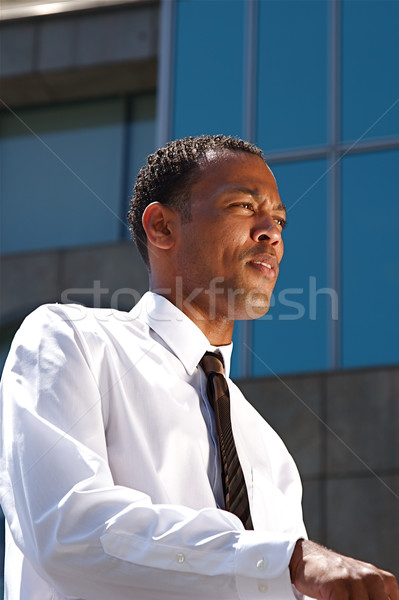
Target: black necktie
x,y
235,490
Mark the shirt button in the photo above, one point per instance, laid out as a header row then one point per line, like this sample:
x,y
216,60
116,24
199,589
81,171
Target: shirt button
x,y
262,587
261,564
180,557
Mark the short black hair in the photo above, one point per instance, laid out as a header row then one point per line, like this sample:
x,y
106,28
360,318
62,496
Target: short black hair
x,y
168,175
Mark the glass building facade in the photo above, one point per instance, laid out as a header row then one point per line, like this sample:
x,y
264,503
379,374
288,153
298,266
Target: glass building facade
x,y
68,171
316,86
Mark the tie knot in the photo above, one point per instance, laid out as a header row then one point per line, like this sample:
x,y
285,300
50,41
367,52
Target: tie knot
x,y
212,362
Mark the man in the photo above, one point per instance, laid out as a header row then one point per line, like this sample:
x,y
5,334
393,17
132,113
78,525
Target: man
x,y
116,479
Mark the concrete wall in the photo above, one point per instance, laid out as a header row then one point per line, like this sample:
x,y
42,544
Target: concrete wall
x,y
85,54
342,429
110,274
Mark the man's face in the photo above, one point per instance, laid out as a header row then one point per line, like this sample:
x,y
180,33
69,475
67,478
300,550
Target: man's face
x,y
228,255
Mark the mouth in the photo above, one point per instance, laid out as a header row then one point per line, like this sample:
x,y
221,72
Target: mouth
x,y
267,265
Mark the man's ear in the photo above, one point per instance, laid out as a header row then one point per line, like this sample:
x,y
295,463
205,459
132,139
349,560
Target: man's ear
x,y
158,222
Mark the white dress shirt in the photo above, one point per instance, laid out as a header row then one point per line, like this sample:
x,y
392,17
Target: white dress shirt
x,y
109,466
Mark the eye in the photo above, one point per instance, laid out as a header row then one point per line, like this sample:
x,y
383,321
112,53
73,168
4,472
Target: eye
x,y
280,221
246,205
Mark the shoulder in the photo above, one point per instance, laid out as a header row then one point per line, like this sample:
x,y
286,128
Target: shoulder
x,y
58,338
54,317
89,329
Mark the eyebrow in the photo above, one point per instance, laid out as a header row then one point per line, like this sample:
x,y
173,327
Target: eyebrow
x,y
255,194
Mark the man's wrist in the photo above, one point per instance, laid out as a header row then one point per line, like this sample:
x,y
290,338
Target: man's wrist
x,y
296,558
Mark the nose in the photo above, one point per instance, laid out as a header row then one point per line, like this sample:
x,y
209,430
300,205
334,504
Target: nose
x,y
267,230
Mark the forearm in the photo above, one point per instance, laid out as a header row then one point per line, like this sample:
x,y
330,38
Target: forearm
x,y
149,550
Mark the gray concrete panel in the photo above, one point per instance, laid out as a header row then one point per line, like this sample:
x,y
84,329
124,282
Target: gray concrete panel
x,y
100,81
363,519
362,411
135,36
114,37
24,90
111,275
313,508
17,48
77,84
27,280
31,279
57,44
76,56
293,407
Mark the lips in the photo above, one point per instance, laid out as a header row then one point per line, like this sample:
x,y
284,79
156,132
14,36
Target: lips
x,y
266,263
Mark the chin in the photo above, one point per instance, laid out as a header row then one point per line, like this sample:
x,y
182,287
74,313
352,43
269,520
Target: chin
x,y
255,305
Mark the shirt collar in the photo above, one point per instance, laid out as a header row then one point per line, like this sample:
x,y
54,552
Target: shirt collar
x,y
181,334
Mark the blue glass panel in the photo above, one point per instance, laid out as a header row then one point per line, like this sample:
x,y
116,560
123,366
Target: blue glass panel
x,y
370,71
141,140
236,367
294,335
61,176
209,67
292,74
370,259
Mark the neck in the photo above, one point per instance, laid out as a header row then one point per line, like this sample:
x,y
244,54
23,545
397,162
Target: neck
x,y
219,331
203,311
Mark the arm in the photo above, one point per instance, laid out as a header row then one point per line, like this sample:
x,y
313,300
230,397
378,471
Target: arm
x,y
86,536
326,575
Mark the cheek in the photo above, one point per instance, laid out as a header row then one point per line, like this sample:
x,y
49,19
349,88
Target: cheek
x,y
230,239
280,251
218,244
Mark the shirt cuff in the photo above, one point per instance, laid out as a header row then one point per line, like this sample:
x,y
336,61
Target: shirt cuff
x,y
277,588
260,554
262,567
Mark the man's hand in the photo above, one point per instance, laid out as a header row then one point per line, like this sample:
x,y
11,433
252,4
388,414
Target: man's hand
x,y
326,575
